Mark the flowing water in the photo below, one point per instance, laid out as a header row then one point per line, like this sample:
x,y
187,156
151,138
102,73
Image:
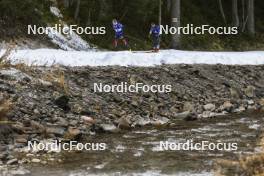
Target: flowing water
x,y
137,152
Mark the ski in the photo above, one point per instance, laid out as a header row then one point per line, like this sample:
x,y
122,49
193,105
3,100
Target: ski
x,y
149,51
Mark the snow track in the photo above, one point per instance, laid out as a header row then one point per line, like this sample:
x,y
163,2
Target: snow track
x,y
49,57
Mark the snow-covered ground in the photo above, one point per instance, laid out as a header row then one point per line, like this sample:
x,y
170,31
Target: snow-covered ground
x,y
70,42
50,57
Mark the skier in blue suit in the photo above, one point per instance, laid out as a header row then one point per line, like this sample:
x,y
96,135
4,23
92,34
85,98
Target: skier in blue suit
x,y
155,33
119,33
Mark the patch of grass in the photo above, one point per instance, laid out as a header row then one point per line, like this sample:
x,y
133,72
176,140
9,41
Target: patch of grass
x,y
24,68
4,59
57,78
5,62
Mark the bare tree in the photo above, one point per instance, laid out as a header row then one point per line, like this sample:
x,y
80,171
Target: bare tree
x,y
104,8
175,22
66,3
222,10
89,20
235,17
168,5
160,11
77,10
251,17
244,17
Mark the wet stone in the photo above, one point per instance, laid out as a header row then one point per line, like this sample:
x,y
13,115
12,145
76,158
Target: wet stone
x,y
12,161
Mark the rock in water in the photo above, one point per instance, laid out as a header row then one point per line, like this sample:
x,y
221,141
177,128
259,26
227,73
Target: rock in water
x,y
109,128
140,121
250,102
12,161
240,109
182,115
19,171
160,122
227,106
191,117
124,123
35,160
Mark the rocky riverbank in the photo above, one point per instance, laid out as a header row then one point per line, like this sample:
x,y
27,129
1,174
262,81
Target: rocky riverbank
x,y
43,103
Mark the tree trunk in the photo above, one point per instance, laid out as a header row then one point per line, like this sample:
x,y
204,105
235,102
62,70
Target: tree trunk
x,y
251,17
169,5
222,10
104,8
175,22
77,10
235,17
66,3
244,18
71,2
160,12
89,21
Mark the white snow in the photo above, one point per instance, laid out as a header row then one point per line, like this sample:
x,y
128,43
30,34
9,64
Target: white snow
x,y
55,11
69,42
50,57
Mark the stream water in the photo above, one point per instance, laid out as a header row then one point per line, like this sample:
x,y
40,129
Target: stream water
x,y
137,152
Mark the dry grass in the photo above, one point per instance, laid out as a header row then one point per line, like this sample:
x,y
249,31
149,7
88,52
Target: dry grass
x,y
7,53
24,68
252,165
4,59
6,63
57,78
